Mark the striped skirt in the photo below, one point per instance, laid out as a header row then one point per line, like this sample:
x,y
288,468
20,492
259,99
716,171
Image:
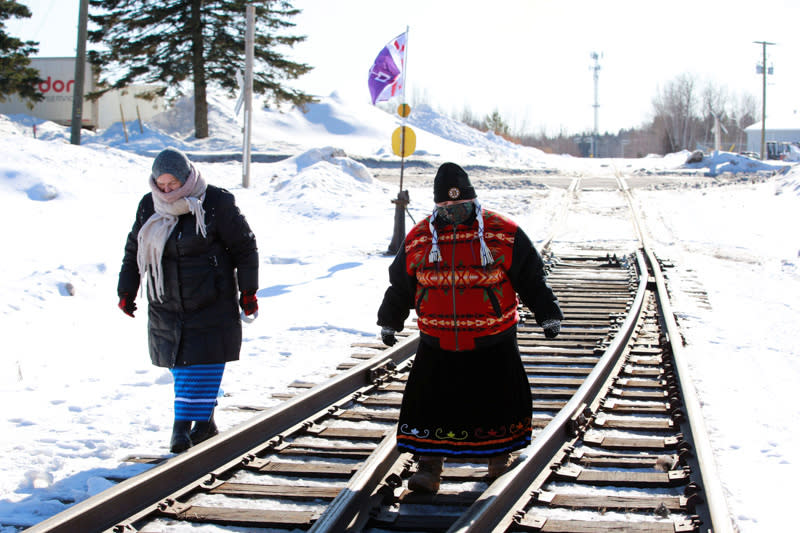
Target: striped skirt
x,y
196,389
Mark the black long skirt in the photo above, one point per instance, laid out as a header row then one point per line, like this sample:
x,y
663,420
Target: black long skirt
x,y
466,404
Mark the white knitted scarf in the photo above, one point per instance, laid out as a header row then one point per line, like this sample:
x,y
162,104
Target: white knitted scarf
x,y
154,233
435,255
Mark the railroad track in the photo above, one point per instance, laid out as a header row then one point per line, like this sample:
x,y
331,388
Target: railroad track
x,y
619,444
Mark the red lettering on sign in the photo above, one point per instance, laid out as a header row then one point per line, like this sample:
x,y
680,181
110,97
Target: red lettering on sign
x,y
59,86
44,86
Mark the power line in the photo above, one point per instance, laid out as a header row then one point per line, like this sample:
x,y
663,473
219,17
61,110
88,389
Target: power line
x,y
46,12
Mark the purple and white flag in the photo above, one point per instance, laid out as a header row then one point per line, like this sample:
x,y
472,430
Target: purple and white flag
x,y
385,76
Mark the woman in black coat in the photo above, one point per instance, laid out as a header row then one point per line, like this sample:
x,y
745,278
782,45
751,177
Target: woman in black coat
x,y
200,259
464,269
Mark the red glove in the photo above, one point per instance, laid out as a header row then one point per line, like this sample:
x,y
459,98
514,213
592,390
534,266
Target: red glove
x,y
127,304
249,302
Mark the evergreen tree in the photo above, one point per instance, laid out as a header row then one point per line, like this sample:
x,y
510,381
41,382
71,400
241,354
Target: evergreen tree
x,y
495,123
16,76
171,41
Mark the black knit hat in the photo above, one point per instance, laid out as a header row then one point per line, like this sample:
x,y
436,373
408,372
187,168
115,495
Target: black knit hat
x,y
172,161
452,183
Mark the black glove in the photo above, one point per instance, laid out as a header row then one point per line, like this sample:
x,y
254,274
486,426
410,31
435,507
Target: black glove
x,y
127,304
551,328
387,336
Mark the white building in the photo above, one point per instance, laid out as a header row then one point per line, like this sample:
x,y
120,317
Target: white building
x,y
58,80
780,129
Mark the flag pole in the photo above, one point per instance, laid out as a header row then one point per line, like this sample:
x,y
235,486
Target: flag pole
x,y
403,123
402,200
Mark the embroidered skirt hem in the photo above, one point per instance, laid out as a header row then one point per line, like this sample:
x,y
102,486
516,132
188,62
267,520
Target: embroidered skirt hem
x,y
464,449
474,403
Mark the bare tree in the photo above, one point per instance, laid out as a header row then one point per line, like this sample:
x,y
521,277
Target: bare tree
x,y
676,112
469,118
746,110
715,105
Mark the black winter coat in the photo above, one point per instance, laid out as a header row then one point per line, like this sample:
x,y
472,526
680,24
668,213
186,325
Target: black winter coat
x,y
198,320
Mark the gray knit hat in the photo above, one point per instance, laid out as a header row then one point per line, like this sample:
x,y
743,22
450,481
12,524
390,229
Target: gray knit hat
x,y
172,161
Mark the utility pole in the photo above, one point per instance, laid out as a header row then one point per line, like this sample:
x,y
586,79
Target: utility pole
x,y
763,97
596,106
80,74
249,39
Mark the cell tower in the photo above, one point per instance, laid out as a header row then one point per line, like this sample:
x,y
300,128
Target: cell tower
x,y
596,75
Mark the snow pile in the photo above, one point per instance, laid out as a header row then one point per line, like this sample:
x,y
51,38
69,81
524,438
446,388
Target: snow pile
x,y
75,374
721,162
323,183
15,125
789,183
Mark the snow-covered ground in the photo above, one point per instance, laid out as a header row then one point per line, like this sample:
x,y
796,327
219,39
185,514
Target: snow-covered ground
x,y
76,385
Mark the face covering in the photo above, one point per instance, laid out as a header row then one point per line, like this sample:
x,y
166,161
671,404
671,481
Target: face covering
x,y
455,214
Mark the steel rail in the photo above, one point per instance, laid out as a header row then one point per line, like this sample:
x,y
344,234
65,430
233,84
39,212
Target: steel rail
x,y
495,506
498,500
570,193
108,508
344,509
718,511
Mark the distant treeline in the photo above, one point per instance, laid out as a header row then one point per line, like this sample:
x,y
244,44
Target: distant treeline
x,y
682,117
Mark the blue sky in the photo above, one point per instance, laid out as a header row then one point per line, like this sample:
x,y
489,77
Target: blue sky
x,y
529,59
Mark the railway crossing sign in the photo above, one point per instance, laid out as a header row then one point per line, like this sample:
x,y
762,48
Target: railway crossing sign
x,y
404,141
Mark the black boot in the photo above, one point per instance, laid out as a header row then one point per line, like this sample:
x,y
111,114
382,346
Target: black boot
x,y
180,441
204,430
